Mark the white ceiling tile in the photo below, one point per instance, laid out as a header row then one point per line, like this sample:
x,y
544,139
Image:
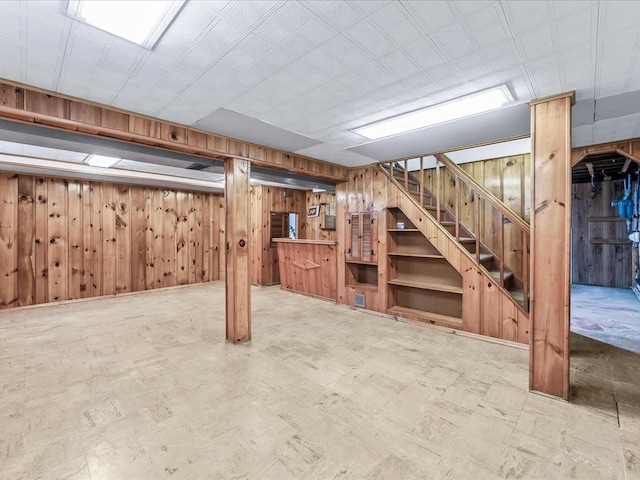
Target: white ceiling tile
x,y
527,14
617,16
369,38
221,34
488,25
404,33
423,53
433,15
454,41
86,50
316,31
192,22
369,6
502,55
537,43
465,7
389,16
325,62
398,64
471,66
340,15
249,13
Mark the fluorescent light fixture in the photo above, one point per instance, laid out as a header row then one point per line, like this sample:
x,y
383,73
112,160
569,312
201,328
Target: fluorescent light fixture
x,y
142,22
101,161
466,106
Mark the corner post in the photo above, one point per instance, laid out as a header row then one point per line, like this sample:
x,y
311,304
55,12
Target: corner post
x,y
550,245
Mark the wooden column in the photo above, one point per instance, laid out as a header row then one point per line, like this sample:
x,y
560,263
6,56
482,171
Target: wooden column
x,y
550,245
237,277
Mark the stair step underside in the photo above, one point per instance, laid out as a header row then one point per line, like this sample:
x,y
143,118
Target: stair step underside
x,y
518,295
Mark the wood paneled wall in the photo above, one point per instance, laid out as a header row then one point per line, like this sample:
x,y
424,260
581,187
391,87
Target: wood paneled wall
x,y
314,232
601,251
509,179
366,191
63,239
264,254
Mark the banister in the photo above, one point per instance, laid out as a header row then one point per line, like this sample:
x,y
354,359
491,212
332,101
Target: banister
x,y
482,190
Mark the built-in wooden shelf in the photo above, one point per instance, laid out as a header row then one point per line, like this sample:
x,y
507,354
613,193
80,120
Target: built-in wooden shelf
x,y
439,287
403,230
606,219
609,241
362,286
360,262
427,317
416,255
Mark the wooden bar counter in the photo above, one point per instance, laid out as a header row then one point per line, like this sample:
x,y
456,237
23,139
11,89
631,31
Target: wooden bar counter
x,y
308,267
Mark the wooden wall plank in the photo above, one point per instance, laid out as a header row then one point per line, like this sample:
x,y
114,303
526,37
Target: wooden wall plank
x,y
123,239
76,241
159,232
138,236
26,240
41,224
170,229
58,254
97,238
8,240
182,238
192,244
109,239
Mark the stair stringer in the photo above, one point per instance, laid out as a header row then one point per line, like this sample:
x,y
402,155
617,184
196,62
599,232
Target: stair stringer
x,y
487,308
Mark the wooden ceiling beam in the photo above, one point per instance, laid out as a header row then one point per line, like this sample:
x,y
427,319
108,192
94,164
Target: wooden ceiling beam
x,y
24,104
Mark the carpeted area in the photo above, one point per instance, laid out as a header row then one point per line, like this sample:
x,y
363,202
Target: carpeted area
x,y
609,315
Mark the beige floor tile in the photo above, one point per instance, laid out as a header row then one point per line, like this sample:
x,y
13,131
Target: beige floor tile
x,y
145,387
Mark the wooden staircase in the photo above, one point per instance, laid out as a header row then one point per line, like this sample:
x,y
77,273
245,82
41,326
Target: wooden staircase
x,y
449,276
489,260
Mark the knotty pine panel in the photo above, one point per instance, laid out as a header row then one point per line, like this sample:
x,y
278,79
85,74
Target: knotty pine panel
x,y
63,239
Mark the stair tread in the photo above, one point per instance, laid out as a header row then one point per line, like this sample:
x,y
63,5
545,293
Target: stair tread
x,y
518,295
496,274
430,317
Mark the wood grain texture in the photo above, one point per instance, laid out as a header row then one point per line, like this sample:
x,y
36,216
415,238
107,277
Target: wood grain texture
x,y
237,273
63,239
25,104
550,247
308,268
593,218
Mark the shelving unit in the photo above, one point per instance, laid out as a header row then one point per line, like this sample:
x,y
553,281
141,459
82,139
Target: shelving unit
x,y
423,286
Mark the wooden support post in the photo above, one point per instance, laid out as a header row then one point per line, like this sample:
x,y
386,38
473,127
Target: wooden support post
x,y
525,269
406,176
237,274
476,220
550,245
501,248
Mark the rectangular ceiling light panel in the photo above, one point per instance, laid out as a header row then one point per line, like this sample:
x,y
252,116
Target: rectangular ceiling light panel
x,y
101,161
480,102
141,22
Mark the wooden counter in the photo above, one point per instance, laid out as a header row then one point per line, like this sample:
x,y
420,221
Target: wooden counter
x,y
308,267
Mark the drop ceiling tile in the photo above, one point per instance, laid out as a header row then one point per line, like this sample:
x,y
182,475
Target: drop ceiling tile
x,y
10,22
465,7
194,19
249,13
293,16
404,33
41,59
389,16
444,75
368,37
151,73
340,15
221,34
316,31
86,50
274,31
454,41
576,29
433,15
471,66
169,50
488,25
297,45
537,43
615,17
336,154
398,64
423,53
502,55
527,15
325,63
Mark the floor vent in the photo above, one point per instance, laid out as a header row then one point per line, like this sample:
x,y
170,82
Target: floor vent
x,y
359,300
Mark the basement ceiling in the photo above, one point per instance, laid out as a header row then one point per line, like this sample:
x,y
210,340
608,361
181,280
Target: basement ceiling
x,y
302,74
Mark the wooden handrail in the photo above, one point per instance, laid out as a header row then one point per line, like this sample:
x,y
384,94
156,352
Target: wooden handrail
x,y
486,194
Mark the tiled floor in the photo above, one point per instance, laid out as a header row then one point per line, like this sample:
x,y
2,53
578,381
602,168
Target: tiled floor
x,y
610,315
144,387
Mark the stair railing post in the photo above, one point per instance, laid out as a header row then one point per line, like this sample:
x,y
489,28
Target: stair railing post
x,y
422,182
476,220
525,270
406,176
501,248
457,207
438,190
